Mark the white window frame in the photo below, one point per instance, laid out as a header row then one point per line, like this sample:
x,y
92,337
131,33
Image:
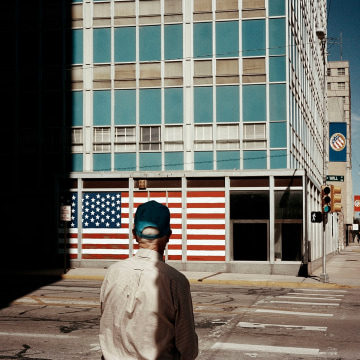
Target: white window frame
x,y
102,139
203,137
227,137
254,136
154,141
173,138
125,139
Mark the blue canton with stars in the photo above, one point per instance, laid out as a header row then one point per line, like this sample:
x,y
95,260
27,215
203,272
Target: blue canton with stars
x,y
99,210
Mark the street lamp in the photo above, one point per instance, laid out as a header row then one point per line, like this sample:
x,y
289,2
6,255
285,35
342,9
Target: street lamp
x,y
321,35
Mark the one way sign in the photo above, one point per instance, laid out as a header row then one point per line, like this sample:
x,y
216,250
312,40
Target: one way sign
x,y
316,217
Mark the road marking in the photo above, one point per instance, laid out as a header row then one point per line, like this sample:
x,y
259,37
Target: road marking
x,y
308,298
57,336
321,290
57,301
292,313
315,294
302,303
250,325
265,348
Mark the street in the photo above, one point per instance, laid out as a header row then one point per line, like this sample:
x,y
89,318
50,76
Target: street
x,y
61,321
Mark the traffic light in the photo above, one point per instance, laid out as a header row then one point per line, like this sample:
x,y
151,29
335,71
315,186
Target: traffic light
x,y
326,198
335,198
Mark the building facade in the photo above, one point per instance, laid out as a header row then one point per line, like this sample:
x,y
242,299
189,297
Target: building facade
x,y
213,107
339,166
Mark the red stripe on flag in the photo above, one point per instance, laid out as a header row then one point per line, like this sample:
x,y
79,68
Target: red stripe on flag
x,y
205,237
105,246
206,247
104,256
105,236
206,193
205,258
205,216
205,206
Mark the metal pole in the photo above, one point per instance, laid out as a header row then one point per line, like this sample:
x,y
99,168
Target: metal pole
x,y
323,276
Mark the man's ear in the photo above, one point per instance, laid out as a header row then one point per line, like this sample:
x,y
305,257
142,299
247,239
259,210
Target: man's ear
x,y
135,235
168,236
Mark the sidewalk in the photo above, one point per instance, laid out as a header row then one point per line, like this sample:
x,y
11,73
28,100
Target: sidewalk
x,y
342,269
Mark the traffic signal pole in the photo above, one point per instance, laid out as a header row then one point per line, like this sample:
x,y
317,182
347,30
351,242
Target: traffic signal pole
x,y
324,277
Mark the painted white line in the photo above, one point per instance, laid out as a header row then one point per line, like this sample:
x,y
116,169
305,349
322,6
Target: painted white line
x,y
302,303
283,312
56,336
265,348
315,294
249,325
309,298
322,290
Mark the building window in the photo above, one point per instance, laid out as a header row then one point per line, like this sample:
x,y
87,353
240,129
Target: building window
x,y
341,85
102,45
254,136
227,104
203,40
341,71
254,70
150,138
253,38
329,85
203,104
76,140
173,39
77,46
173,138
227,137
124,44
150,43
227,39
102,139
203,137
125,139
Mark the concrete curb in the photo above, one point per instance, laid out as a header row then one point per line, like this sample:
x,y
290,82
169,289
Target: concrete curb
x,y
282,284
272,284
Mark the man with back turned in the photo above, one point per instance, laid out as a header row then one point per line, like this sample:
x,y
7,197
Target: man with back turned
x,y
146,306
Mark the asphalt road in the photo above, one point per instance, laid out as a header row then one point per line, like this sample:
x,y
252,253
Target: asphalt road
x,y
61,321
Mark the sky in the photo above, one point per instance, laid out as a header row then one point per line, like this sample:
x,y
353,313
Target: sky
x,y
343,17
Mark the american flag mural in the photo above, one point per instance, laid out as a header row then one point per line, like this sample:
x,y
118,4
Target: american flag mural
x,y
71,232
105,225
105,220
205,225
172,199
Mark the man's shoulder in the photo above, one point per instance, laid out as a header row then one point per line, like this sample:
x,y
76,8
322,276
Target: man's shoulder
x,y
172,273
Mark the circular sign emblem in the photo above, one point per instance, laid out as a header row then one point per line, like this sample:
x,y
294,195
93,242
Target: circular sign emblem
x,y
357,203
337,142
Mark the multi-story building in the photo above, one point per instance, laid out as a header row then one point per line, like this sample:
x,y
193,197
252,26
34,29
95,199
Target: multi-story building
x,y
339,166
213,107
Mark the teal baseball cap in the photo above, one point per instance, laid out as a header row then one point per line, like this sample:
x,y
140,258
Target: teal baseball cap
x,y
152,214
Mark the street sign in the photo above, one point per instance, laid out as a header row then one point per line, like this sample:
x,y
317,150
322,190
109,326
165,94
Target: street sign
x,y
316,217
335,178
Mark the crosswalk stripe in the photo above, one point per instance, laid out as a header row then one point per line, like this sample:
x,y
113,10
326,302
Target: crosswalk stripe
x,y
302,303
300,313
250,325
265,348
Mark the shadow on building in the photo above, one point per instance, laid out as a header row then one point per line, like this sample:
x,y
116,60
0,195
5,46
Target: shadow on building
x,y
36,115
